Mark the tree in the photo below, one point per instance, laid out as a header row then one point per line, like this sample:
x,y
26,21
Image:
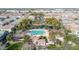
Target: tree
x,y
9,37
38,16
70,37
53,22
26,38
24,24
45,38
15,46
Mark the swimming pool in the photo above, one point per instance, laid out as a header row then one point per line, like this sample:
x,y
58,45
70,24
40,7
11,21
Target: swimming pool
x,y
37,32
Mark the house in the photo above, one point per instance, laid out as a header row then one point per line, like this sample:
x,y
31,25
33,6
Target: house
x,y
7,27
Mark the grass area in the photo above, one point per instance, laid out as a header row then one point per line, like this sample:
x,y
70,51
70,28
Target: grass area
x,y
53,47
15,46
18,45
76,47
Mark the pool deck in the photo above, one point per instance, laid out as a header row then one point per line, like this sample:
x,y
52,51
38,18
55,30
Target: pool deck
x,y
35,38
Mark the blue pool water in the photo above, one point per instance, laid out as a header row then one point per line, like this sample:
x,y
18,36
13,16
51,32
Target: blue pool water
x,y
37,32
